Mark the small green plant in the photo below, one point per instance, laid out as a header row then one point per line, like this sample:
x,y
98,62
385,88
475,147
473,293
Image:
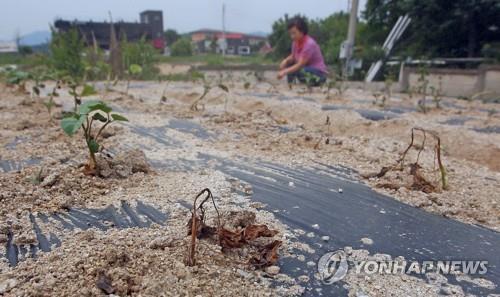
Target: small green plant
x,y
89,113
78,92
330,85
311,80
207,87
39,75
422,87
412,90
259,76
387,90
377,96
49,104
134,71
246,80
36,178
335,82
19,79
229,78
437,93
163,98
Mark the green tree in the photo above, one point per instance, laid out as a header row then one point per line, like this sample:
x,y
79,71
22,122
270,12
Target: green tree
x,y
330,33
25,50
439,27
66,51
182,47
279,39
171,36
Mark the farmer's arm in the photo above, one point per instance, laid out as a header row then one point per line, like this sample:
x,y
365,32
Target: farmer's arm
x,y
286,62
296,67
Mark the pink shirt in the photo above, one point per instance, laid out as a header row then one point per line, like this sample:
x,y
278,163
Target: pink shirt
x,y
310,52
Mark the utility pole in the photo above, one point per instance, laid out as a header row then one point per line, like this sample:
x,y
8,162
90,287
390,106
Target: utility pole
x,y
347,46
223,29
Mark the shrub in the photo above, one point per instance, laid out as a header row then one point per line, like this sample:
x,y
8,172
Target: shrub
x,y
182,47
491,51
140,53
66,53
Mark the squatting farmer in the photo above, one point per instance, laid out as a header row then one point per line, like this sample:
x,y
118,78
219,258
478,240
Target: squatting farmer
x,y
305,63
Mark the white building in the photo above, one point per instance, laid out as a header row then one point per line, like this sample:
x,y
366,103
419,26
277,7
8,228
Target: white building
x,y
8,47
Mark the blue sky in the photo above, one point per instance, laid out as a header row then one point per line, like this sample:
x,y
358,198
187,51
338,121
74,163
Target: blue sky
x,y
25,16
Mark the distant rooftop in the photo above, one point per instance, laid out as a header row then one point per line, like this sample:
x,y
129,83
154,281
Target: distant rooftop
x,y
229,34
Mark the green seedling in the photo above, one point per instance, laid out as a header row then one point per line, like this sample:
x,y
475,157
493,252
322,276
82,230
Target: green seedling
x,y
311,80
246,82
335,82
163,98
206,89
377,96
89,113
259,76
36,178
19,79
437,93
49,104
85,91
134,71
422,88
39,75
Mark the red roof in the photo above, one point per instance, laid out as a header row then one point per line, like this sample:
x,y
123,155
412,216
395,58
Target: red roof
x,y
230,35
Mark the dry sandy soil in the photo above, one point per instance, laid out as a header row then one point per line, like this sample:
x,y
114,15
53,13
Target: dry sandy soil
x,y
284,126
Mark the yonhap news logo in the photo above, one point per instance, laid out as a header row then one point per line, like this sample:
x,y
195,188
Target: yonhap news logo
x,y
334,266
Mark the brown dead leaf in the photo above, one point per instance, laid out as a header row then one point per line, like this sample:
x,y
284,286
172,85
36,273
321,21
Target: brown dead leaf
x,y
379,174
230,239
267,255
388,186
419,181
254,231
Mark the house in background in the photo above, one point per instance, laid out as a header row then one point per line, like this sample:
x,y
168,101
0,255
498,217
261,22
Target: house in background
x,y
150,27
8,47
235,43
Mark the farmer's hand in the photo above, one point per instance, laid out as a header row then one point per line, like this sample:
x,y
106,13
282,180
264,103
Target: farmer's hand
x,y
283,64
281,74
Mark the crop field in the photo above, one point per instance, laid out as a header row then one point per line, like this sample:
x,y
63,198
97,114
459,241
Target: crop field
x,y
204,186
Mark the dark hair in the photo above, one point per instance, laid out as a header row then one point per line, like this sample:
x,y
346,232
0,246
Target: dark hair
x,y
299,23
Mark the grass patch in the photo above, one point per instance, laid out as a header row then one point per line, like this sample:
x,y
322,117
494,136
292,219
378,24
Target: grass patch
x,y
188,76
25,62
218,60
10,58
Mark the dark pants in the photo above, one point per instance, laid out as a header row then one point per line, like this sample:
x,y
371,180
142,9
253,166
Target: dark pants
x,y
312,77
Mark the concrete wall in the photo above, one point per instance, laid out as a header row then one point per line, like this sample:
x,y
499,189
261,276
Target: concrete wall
x,y
456,82
492,80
